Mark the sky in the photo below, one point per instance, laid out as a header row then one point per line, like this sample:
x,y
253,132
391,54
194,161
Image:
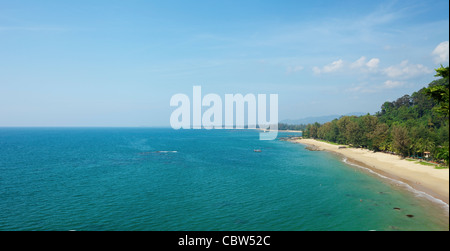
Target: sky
x,y
118,63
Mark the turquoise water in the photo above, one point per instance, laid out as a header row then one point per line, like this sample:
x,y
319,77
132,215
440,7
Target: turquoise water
x,y
161,179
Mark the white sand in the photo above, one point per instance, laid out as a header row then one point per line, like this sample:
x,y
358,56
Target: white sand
x,y
428,179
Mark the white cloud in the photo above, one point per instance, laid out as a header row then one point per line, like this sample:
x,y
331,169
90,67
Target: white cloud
x,y
441,53
336,65
389,84
406,70
373,63
358,63
374,88
362,64
333,67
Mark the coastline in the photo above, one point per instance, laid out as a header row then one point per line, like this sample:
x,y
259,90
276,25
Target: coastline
x,y
269,130
425,179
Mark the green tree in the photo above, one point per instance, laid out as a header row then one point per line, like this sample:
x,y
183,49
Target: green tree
x,y
443,154
440,92
342,124
368,125
312,131
354,133
379,137
401,141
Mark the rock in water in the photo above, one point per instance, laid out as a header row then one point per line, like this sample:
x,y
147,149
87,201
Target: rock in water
x,y
313,148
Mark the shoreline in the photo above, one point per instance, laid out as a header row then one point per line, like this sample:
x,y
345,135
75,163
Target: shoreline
x,y
269,130
424,179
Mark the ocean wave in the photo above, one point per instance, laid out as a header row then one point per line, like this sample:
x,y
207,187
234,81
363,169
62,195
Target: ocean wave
x,y
157,152
416,192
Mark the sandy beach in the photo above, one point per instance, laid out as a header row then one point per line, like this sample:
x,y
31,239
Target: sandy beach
x,y
269,130
434,182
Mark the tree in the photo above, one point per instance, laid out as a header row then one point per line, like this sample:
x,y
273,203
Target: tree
x,y
329,131
401,141
440,92
403,101
422,103
386,107
311,131
368,125
354,133
379,137
443,154
324,131
342,124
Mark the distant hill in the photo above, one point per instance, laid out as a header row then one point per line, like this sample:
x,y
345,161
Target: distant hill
x,y
320,119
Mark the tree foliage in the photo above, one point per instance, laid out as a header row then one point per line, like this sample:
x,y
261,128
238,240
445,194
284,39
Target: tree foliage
x,y
439,91
283,126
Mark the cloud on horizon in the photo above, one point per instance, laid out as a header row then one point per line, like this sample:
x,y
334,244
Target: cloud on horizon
x,y
406,70
441,53
333,67
389,84
361,63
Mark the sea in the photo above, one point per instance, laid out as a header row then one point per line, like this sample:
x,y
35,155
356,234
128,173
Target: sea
x,y
160,179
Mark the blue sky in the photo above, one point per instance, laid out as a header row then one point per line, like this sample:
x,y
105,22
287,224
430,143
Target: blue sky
x,y
117,63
